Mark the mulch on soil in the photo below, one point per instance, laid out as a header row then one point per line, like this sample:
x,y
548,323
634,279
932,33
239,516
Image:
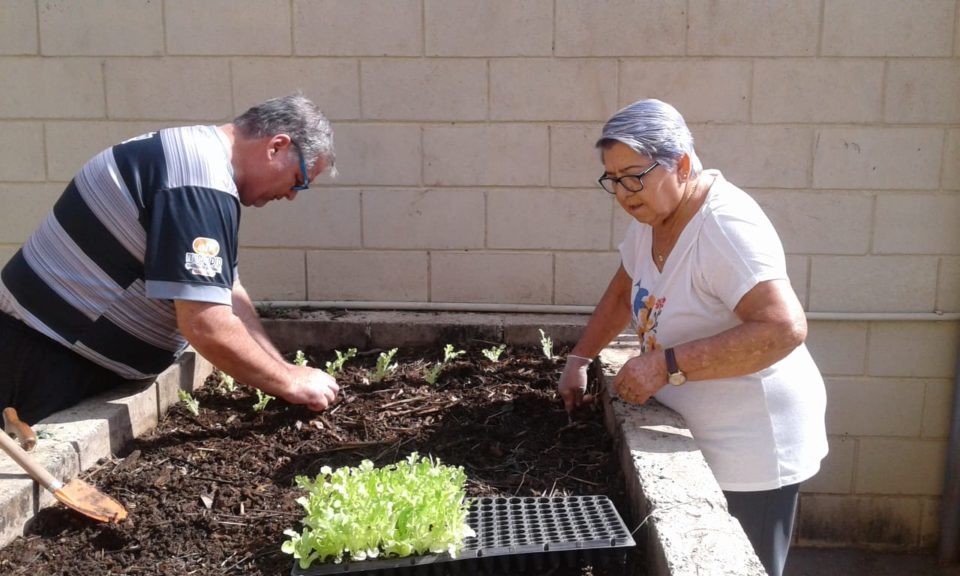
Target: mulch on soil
x,y
212,494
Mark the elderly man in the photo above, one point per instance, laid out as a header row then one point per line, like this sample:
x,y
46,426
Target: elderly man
x,y
139,258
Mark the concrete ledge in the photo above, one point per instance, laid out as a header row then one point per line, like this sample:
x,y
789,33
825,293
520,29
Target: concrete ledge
x,y
328,330
686,526
75,439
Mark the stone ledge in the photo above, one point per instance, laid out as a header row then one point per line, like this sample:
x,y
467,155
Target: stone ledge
x,y
75,439
673,494
328,330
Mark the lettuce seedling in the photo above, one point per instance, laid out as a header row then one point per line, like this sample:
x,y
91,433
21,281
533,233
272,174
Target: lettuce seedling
x,y
448,355
384,367
262,400
546,343
227,381
192,404
300,359
337,365
415,506
493,353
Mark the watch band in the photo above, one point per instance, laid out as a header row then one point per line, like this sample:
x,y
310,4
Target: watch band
x,y
671,361
675,376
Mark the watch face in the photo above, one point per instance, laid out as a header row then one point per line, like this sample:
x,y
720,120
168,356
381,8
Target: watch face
x,y
677,378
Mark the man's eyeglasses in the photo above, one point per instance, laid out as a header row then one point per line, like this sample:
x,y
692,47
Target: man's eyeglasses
x,y
305,185
630,182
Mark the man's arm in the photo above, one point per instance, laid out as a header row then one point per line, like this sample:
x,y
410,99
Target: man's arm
x,y
223,339
243,308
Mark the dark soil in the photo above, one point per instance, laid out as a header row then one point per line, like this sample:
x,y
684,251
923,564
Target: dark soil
x,y
213,494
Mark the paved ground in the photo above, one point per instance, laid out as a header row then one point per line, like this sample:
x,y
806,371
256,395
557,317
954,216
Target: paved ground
x,y
843,562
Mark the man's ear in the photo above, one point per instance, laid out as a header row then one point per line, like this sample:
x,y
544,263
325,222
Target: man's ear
x,y
279,143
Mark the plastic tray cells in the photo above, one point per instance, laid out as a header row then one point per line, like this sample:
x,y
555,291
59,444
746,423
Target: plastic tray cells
x,y
513,535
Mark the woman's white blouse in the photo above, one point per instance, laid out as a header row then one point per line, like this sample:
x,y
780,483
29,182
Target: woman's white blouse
x,y
759,431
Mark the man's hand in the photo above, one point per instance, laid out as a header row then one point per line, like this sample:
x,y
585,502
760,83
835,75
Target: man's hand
x,y
573,383
313,388
641,377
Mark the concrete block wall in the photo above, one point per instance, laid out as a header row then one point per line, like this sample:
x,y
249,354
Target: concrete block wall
x,y
890,389
464,133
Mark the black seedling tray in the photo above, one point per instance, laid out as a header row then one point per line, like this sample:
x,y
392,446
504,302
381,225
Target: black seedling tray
x,y
513,535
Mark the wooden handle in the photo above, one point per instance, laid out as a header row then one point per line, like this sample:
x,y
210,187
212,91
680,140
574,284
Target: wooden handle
x,y
31,466
19,429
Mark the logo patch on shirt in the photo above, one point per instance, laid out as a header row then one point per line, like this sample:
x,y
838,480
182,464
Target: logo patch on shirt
x,y
203,261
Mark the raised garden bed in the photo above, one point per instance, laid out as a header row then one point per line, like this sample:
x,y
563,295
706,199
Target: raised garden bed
x,y
212,494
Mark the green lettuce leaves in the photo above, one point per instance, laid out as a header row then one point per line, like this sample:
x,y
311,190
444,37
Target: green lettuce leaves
x,y
415,506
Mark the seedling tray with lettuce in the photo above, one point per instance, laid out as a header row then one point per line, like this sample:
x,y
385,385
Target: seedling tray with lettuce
x,y
411,516
415,506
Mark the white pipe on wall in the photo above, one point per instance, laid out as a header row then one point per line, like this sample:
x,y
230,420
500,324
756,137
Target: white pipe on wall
x,y
561,309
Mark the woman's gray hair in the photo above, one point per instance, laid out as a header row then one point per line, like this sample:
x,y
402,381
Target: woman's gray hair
x,y
296,116
654,129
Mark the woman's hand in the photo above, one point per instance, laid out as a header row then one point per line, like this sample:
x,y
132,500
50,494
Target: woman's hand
x,y
573,383
641,377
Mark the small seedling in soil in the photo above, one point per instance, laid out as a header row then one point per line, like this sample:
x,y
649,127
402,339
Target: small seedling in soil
x,y
337,365
448,355
384,367
192,404
493,353
227,381
262,400
546,343
300,359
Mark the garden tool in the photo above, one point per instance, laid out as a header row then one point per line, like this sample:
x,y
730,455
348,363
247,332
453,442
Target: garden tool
x,y
18,429
76,494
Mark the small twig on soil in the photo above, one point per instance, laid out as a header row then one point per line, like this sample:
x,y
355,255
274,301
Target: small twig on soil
x,y
399,402
241,561
571,426
227,559
353,446
522,480
256,514
582,481
218,480
395,447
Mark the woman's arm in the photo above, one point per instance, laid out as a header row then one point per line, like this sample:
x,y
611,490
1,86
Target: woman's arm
x,y
773,325
609,317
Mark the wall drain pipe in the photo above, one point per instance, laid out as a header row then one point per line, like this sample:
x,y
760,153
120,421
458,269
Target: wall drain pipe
x,y
950,503
490,307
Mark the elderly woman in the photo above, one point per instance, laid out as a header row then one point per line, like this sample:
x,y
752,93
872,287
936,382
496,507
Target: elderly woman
x,y
703,278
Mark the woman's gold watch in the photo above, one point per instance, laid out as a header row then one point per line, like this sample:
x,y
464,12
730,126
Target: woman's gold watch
x,y
675,376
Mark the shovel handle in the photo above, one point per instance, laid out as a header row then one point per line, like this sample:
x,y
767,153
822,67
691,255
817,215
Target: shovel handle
x,y
19,429
31,466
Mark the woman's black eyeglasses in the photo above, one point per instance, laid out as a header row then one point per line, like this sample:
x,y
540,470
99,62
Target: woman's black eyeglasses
x,y
630,182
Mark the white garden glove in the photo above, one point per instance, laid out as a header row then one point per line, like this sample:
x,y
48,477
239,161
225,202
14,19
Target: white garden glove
x,y
573,383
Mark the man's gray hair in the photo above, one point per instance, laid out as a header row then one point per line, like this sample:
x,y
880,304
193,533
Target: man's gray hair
x,y
296,116
654,129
